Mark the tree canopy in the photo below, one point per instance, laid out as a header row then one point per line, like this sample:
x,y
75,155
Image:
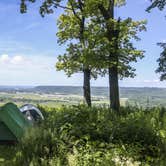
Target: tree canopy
x,y
157,3
96,42
98,51
162,62
160,4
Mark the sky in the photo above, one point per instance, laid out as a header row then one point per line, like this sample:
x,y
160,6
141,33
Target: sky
x,y
29,48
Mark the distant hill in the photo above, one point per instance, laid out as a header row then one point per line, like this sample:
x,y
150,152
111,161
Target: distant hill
x,y
141,96
59,89
129,91
96,91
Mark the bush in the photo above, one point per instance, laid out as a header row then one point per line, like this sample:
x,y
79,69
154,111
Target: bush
x,y
78,135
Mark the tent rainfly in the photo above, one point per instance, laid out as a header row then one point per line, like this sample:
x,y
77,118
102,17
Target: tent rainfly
x,y
31,113
12,123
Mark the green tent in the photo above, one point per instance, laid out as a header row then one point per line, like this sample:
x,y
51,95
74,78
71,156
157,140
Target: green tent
x,y
12,123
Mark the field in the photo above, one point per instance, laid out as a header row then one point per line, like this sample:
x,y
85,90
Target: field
x,y
54,96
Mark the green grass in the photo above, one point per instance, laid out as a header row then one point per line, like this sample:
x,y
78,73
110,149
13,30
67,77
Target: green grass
x,y
6,154
82,136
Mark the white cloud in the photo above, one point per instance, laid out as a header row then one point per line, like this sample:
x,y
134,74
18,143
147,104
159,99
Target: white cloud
x,y
151,81
12,60
25,64
4,58
29,70
18,60
140,82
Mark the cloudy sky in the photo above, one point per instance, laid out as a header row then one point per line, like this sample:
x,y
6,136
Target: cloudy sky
x,y
29,48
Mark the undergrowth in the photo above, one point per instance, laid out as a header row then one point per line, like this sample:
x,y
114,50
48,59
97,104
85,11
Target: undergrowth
x,y
82,136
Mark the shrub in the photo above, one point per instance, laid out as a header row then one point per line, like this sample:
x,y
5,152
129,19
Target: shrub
x,y
78,135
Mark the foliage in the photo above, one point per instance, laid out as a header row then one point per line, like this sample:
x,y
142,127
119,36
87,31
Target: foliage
x,y
45,8
126,51
49,6
81,34
97,51
78,135
157,3
162,62
97,43
97,47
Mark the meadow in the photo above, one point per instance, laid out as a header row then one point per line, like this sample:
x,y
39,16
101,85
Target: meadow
x,y
78,135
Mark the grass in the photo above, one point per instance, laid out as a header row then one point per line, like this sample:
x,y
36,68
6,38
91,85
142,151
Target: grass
x,y
6,154
82,136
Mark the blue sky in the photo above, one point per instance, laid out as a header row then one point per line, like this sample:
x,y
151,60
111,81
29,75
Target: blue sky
x,y
29,48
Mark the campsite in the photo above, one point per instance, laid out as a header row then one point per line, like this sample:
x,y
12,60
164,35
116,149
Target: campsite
x,y
82,83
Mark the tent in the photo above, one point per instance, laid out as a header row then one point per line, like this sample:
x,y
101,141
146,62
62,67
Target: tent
x,y
32,113
12,123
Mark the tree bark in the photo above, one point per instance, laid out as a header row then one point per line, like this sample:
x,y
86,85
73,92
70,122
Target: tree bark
x,y
112,70
86,87
86,70
113,76
114,89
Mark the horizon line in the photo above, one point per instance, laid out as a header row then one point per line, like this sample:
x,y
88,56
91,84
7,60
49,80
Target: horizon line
x,y
80,86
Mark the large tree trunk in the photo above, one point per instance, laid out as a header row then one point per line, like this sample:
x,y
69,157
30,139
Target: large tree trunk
x,y
86,70
86,87
113,70
114,88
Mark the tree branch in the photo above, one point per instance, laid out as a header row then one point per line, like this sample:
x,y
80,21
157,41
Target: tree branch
x,y
104,12
63,7
74,12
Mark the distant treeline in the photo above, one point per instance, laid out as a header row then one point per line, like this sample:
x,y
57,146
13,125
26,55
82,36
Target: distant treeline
x,y
125,92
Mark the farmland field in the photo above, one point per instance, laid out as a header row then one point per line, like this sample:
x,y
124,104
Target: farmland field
x,y
54,96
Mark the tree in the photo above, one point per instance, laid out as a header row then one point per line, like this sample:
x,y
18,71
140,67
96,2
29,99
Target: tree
x,y
72,26
120,50
47,6
157,3
108,14
106,44
162,62
160,4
